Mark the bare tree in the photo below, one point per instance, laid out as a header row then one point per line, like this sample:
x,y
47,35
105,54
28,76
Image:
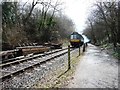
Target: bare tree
x,y
106,17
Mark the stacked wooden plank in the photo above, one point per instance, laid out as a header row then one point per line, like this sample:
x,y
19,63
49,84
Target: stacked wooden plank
x,y
33,49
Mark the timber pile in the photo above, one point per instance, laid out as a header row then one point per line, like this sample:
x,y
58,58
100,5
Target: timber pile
x,y
25,50
33,49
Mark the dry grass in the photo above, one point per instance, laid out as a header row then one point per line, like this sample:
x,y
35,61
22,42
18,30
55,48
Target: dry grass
x,y
60,78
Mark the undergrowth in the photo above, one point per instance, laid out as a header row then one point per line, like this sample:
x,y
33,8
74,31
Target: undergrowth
x,y
111,50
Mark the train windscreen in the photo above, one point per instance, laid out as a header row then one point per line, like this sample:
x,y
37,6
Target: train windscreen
x,y
73,37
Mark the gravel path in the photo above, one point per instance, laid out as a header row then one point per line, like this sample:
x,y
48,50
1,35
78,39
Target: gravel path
x,y
96,69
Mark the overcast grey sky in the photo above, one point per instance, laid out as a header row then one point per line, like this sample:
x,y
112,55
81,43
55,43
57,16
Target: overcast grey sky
x,y
78,10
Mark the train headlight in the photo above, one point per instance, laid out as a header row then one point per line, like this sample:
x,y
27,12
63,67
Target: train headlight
x,y
75,40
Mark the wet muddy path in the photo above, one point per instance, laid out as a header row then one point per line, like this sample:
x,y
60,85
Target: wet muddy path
x,y
96,69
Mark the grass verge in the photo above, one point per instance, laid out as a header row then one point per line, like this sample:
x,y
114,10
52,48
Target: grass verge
x,y
61,77
111,50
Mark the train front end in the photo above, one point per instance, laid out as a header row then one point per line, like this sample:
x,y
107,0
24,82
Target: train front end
x,y
76,40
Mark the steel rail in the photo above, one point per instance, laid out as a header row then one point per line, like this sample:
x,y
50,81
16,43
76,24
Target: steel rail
x,y
29,58
41,61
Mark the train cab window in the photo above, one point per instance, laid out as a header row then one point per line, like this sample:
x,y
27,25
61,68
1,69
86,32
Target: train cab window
x,y
73,36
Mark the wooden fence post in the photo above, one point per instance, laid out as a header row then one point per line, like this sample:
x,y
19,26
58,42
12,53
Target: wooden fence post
x,y
83,47
69,57
79,50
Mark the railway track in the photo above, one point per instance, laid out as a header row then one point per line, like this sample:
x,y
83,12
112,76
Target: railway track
x,y
31,55
20,65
